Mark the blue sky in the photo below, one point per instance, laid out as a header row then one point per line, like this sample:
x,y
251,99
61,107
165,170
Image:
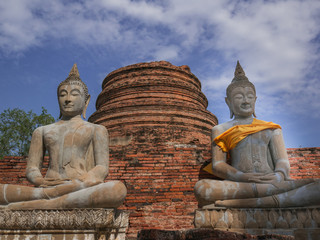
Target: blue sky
x,y
277,43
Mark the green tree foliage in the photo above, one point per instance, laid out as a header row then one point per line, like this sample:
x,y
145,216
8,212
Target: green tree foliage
x,y
16,128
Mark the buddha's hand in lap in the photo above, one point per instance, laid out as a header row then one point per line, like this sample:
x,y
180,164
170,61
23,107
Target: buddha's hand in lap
x,y
51,182
262,177
275,177
90,180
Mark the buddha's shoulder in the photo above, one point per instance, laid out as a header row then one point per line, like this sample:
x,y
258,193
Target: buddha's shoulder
x,y
221,128
96,127
44,128
61,124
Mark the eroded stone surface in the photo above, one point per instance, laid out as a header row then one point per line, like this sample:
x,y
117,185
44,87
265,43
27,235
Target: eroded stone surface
x,y
259,220
204,234
80,224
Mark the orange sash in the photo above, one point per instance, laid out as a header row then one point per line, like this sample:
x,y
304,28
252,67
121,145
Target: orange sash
x,y
230,138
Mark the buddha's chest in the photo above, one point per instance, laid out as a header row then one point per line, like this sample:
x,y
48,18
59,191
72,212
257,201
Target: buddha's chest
x,y
64,137
252,154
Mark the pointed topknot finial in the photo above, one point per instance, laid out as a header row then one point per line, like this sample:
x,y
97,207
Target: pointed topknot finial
x,y
74,78
239,70
240,79
74,71
239,74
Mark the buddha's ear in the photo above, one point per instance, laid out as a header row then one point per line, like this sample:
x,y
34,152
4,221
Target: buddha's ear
x,y
229,105
254,110
85,107
60,115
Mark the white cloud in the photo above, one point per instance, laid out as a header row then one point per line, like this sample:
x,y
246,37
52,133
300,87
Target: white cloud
x,y
274,40
167,53
19,29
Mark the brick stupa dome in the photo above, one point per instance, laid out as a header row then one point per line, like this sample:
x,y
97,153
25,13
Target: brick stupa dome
x,y
159,131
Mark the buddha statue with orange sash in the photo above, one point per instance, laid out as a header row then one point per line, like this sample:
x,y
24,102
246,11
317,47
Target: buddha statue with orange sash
x,y
258,173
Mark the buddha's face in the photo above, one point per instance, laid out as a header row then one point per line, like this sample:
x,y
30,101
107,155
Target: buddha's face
x,y
242,101
71,100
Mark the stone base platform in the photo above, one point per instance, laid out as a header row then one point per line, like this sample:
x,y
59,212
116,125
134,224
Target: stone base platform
x,y
284,221
204,234
80,224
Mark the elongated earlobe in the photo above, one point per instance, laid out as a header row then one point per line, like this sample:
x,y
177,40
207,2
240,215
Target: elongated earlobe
x,y
231,113
254,109
229,105
254,114
60,115
85,108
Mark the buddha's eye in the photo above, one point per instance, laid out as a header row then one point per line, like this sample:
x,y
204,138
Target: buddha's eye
x,y
250,96
238,96
75,93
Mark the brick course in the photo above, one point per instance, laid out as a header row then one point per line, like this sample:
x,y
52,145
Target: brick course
x,y
304,162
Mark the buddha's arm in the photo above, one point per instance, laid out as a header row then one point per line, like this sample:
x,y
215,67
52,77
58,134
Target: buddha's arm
x,y
36,153
279,154
222,169
101,157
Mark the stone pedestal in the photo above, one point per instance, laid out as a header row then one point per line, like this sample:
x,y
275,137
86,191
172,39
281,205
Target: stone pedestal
x,y
80,224
284,221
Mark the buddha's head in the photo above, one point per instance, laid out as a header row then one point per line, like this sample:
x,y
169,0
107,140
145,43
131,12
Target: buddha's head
x,y
73,95
241,95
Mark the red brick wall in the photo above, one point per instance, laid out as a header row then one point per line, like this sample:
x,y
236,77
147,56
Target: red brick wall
x,y
304,162
13,170
167,201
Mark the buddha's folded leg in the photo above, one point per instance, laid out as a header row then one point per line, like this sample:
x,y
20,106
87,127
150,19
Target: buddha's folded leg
x,y
264,190
104,195
60,190
307,195
10,193
15,193
208,191
264,202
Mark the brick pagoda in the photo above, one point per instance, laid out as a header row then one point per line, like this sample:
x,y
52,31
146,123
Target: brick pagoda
x,y
160,136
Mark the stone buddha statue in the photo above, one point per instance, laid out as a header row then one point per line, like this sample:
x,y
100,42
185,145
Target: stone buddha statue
x,y
251,158
78,160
